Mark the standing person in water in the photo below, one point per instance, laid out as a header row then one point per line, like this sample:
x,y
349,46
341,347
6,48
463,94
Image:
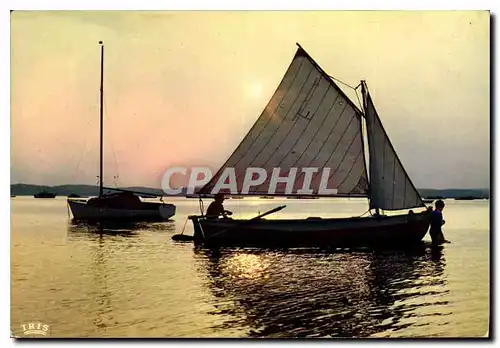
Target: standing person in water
x,y
437,221
216,208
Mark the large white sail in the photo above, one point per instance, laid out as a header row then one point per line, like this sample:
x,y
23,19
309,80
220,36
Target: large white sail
x,y
391,187
307,140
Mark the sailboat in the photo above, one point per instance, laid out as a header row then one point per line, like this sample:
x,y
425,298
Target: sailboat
x,y
44,194
311,131
122,204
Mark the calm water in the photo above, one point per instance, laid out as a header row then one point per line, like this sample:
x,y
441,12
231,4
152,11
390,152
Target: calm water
x,y
136,282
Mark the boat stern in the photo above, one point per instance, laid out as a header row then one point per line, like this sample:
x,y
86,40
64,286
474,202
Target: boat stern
x,y
77,208
166,211
198,236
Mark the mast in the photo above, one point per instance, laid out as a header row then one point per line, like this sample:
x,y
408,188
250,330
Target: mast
x,y
363,92
101,123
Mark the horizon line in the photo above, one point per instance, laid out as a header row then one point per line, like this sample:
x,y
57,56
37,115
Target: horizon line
x,y
154,188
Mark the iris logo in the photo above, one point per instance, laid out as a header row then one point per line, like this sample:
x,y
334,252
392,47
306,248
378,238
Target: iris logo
x,y
35,329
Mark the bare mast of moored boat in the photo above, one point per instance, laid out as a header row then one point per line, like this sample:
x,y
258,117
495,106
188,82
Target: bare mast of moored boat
x,y
126,205
101,127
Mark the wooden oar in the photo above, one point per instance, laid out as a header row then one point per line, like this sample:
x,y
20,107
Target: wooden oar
x,y
274,210
183,238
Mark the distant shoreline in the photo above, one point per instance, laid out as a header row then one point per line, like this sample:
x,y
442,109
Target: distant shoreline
x,y
91,190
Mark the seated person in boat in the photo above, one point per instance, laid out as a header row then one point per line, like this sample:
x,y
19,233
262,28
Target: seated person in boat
x,y
437,221
216,208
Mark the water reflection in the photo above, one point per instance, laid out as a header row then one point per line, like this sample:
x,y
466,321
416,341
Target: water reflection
x,y
247,266
302,293
99,272
109,246
116,228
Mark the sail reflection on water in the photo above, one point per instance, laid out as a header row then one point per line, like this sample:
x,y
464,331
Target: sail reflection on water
x,y
318,294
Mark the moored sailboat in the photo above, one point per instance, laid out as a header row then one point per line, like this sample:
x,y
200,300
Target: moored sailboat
x,y
314,133
45,194
120,205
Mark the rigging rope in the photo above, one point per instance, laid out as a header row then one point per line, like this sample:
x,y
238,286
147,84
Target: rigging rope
x,y
359,101
117,176
182,232
342,82
82,151
353,88
201,206
368,211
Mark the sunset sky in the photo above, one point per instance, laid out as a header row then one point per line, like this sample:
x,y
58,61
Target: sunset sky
x,y
183,88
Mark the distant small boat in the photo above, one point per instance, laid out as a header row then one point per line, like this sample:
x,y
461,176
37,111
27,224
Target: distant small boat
x,y
74,195
428,201
467,198
200,196
236,197
45,194
302,197
266,197
12,196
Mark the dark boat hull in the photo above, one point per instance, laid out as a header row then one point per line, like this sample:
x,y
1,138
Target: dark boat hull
x,y
400,230
119,207
45,195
